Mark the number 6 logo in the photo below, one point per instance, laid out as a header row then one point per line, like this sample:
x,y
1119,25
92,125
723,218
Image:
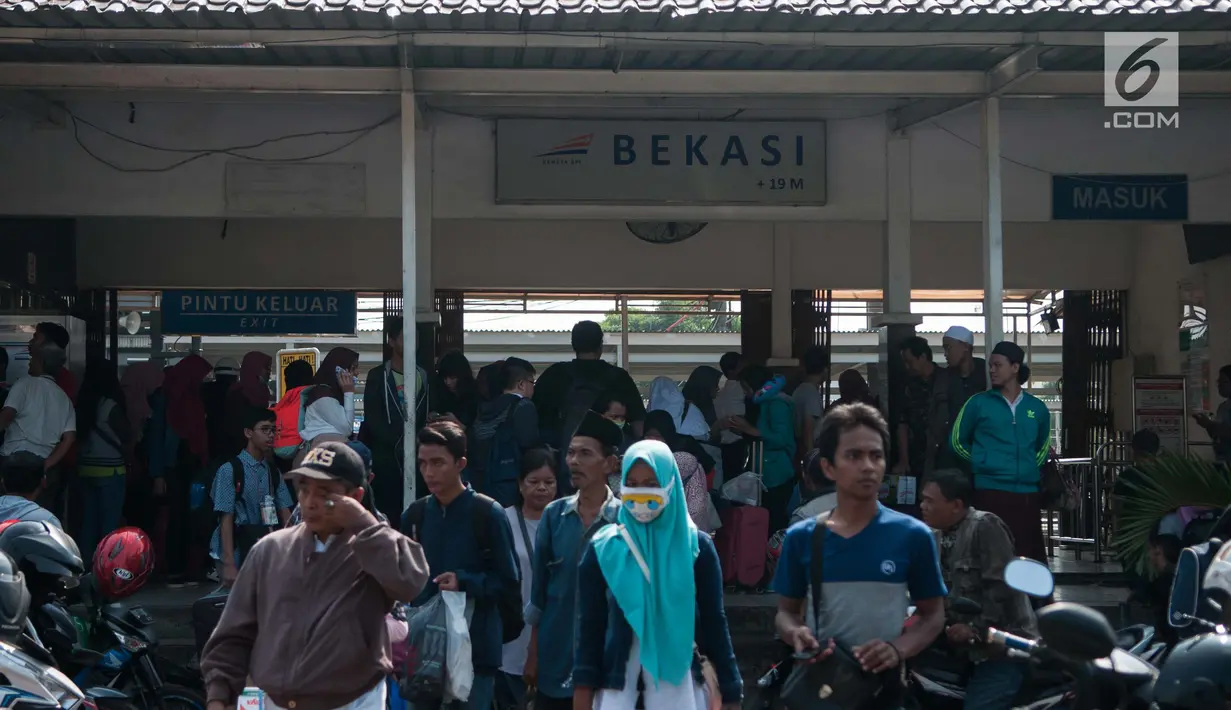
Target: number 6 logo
x,y
1134,63
1141,69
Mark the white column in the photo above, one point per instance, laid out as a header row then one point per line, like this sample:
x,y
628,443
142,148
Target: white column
x,y
993,229
780,303
410,292
424,168
897,231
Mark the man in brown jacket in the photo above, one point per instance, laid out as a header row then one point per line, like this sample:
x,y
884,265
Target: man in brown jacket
x,y
306,617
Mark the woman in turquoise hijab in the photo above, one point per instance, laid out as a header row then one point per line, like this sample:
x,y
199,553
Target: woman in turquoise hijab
x,y
649,593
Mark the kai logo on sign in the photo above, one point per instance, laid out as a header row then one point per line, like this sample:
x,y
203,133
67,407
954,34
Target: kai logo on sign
x,y
258,312
660,162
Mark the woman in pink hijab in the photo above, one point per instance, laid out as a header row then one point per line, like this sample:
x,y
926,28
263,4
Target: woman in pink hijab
x,y
138,383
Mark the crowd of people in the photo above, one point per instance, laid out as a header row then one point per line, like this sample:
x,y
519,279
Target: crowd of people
x,y
585,526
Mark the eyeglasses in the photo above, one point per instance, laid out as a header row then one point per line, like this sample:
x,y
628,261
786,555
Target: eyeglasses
x,y
265,430
541,484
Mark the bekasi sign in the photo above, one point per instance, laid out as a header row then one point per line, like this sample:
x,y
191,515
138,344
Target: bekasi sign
x,y
660,162
259,312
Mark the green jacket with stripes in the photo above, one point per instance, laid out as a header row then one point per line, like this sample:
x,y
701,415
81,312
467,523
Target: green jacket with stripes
x,y
1005,445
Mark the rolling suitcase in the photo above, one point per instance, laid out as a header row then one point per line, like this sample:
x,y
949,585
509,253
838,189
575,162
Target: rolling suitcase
x,y
206,612
743,536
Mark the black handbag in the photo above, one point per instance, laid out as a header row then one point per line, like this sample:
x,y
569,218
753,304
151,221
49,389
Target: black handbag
x,y
839,681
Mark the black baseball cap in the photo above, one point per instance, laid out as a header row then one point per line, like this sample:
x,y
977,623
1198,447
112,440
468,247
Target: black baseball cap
x,y
333,461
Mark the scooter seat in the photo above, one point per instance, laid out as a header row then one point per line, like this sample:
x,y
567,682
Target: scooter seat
x,y
1125,668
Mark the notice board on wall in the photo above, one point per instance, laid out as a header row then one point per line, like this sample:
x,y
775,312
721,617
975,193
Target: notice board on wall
x,y
1159,404
296,189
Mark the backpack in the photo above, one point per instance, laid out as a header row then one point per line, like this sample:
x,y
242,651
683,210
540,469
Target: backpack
x,y
581,395
509,603
502,462
207,517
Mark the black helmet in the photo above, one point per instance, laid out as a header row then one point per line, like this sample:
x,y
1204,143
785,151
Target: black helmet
x,y
1197,675
14,600
41,547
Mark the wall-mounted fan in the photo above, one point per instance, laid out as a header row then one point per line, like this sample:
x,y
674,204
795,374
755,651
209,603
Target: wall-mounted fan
x,y
664,232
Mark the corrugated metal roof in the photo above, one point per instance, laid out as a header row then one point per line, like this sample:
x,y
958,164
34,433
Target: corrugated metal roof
x,y
628,15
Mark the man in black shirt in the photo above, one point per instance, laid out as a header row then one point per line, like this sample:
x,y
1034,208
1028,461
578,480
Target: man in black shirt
x,y
567,390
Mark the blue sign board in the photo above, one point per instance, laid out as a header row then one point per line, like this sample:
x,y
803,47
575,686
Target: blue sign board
x,y
259,312
1117,198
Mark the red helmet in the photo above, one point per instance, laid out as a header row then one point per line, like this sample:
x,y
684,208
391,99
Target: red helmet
x,y
123,562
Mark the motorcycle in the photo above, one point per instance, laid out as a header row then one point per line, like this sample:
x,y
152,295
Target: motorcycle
x,y
33,682
1079,641
128,661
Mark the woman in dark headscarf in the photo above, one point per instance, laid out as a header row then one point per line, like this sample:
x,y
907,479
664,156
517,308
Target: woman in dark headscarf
x,y
329,406
454,390
690,458
701,389
853,388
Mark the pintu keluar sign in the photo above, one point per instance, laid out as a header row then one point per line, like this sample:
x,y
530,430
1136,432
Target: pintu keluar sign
x,y
259,312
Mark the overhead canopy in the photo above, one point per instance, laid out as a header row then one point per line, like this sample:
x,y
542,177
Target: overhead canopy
x,y
595,34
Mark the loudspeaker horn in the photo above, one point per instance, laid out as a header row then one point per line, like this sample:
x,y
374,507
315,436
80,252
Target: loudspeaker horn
x,y
131,322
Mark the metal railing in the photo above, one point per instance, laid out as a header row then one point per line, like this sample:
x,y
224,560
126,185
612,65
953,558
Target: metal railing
x,y
1087,521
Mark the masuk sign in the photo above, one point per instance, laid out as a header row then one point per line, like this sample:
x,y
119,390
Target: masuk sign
x,y
660,162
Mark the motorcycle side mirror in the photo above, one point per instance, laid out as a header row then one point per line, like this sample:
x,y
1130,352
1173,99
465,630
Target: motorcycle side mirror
x,y
1029,577
1076,631
1185,590
1218,577
965,607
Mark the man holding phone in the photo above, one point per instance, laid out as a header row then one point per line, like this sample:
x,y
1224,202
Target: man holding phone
x,y
315,597
1219,425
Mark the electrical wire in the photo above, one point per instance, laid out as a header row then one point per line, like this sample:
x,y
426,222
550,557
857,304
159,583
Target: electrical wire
x,y
195,154
1092,179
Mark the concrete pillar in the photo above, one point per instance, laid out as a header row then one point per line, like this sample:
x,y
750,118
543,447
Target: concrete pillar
x,y
896,322
425,301
780,305
410,286
993,228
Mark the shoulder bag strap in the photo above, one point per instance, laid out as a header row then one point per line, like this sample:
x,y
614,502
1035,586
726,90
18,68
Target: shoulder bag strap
x,y
632,547
818,566
525,534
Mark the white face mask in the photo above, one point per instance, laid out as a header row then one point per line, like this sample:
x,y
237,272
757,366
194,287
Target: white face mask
x,y
645,504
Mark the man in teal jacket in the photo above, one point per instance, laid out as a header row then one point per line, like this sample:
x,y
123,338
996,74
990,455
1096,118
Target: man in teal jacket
x,y
1005,434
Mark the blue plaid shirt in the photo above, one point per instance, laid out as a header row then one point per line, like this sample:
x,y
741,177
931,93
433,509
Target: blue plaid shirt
x,y
247,510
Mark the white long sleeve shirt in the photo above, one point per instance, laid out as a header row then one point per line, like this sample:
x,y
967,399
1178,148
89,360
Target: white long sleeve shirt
x,y
326,416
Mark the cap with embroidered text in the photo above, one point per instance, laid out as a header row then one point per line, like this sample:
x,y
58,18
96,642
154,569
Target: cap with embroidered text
x,y
333,461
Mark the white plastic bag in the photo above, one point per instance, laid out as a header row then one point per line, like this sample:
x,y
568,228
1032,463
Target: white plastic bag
x,y
745,488
460,667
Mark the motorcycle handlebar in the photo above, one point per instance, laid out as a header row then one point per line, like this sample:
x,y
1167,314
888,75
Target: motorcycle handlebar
x,y
1004,639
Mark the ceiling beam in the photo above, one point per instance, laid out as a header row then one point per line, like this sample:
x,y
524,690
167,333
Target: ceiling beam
x,y
190,39
555,82
1011,71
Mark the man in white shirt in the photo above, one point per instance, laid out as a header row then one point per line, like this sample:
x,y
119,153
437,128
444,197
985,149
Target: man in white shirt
x,y
37,416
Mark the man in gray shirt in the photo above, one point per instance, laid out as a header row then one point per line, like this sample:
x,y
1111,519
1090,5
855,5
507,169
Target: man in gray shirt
x,y
809,408
1219,426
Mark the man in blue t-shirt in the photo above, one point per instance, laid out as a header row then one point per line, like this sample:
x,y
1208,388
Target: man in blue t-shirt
x,y
874,558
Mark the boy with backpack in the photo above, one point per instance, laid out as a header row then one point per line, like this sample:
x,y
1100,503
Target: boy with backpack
x,y
468,544
248,495
506,426
567,390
